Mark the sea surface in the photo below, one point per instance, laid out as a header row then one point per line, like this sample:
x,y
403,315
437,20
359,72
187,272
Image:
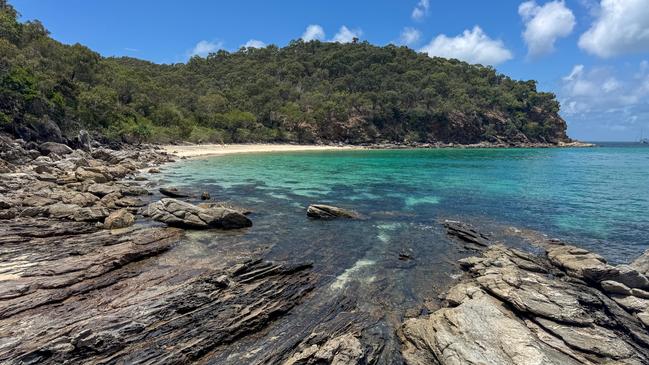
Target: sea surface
x,y
397,261
597,198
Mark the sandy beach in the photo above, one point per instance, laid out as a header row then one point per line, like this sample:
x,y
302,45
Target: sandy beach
x,y
218,149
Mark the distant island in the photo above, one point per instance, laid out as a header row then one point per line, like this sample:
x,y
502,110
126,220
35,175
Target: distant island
x,y
307,92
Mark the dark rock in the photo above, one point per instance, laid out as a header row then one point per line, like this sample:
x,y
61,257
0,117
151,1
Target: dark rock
x,y
173,193
321,211
60,149
205,196
466,233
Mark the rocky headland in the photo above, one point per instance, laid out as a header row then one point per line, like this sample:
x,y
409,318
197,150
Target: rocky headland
x,y
87,277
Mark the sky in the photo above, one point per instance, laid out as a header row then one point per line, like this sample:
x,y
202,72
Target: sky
x,y
593,54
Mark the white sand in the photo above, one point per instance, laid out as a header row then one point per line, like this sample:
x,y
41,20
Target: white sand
x,y
218,149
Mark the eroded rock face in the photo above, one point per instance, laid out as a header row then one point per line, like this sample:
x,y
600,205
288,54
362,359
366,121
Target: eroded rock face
x,y
321,211
517,308
182,214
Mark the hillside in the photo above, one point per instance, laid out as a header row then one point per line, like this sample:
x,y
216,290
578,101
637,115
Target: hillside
x,y
311,92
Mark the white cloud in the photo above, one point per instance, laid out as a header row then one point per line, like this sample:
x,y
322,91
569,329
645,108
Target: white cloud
x,y
253,43
312,32
203,48
622,26
410,35
599,90
473,46
421,10
346,35
544,25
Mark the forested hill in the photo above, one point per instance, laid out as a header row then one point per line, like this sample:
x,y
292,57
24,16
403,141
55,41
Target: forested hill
x,y
305,92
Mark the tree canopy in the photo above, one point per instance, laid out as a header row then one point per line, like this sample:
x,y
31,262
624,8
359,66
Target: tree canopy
x,y
306,92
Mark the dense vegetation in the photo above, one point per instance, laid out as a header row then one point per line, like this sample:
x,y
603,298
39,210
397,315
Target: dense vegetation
x,y
305,92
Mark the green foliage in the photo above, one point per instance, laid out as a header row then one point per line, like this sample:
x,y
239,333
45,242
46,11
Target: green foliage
x,y
305,92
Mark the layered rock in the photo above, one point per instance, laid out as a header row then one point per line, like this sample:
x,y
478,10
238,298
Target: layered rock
x,y
517,308
322,211
182,214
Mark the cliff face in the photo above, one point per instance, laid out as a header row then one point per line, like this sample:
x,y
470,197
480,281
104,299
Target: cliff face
x,y
305,92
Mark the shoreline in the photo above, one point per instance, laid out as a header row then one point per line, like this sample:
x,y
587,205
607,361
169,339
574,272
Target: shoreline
x,y
206,150
106,286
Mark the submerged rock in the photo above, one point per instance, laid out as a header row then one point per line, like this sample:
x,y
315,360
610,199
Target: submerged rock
x,y
466,233
173,193
321,211
182,214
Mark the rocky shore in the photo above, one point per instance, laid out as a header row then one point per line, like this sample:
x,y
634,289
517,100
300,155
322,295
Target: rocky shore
x,y
86,278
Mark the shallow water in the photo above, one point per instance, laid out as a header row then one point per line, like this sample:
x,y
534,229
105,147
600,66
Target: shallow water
x,y
597,198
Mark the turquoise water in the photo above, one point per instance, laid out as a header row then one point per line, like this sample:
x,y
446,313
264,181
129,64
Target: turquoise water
x,y
597,198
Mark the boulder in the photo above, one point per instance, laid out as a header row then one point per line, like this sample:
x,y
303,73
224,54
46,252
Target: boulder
x,y
181,214
49,148
321,211
119,219
205,196
173,193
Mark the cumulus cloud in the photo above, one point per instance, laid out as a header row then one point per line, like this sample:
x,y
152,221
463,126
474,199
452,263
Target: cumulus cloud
x,y
597,91
472,46
410,35
544,25
253,43
622,26
421,10
606,103
312,32
346,35
203,48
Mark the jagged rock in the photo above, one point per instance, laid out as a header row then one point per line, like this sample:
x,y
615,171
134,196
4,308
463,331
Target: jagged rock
x,y
119,219
466,233
177,213
342,350
593,268
321,211
478,331
592,339
173,193
48,148
515,308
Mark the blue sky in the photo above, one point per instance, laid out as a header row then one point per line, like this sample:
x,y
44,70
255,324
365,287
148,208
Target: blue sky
x,y
594,54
